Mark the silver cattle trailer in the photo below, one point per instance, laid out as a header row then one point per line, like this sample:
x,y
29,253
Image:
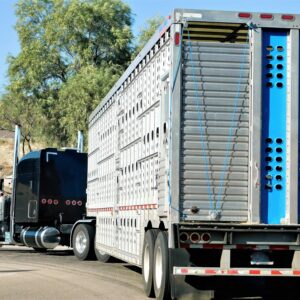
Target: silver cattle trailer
x,y
193,154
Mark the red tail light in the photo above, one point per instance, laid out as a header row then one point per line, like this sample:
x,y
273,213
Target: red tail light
x,y
266,16
244,15
288,17
177,38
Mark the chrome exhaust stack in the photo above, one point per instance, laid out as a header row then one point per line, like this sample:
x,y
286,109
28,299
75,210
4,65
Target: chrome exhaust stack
x,y
14,179
80,141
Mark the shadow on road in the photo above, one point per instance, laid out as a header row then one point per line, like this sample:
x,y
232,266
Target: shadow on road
x,y
21,251
15,271
134,268
58,253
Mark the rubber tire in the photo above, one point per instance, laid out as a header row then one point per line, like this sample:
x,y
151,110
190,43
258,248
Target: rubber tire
x,y
40,250
161,244
149,240
89,233
101,257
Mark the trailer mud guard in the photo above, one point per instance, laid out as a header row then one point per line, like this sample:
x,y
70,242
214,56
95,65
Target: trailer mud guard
x,y
91,221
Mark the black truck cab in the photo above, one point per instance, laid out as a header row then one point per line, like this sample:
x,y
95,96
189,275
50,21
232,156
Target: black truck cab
x,y
49,197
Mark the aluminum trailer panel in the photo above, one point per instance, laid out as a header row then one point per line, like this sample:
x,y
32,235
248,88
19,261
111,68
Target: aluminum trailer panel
x,y
215,131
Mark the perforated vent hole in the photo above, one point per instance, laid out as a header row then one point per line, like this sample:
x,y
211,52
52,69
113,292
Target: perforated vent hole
x,y
278,177
269,140
279,168
269,66
270,57
279,141
279,57
279,66
280,48
278,187
269,75
268,149
269,84
278,150
279,84
165,127
269,48
279,75
279,159
268,168
268,158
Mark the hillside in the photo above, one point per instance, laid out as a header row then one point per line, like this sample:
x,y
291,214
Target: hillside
x,y
7,152
6,156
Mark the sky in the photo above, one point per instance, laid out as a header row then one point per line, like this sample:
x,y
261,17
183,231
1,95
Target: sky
x,y
142,10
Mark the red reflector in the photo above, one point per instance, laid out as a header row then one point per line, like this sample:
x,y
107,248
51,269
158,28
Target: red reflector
x,y
279,247
266,16
210,271
254,272
184,271
275,272
245,15
288,17
177,38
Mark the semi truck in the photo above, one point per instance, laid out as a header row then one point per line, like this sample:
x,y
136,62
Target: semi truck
x,y
193,154
48,197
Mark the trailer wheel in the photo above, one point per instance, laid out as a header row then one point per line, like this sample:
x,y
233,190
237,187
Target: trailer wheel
x,y
101,256
83,241
161,276
147,261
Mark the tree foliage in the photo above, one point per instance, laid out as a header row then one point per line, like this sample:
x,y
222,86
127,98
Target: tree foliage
x,y
22,113
72,51
147,31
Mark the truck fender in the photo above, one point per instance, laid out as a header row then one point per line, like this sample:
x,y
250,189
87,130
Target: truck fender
x,y
91,221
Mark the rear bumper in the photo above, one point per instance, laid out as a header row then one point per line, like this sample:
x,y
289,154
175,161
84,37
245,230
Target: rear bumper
x,y
233,235
196,271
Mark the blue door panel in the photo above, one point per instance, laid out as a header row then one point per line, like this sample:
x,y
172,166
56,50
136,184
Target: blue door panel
x,y
273,152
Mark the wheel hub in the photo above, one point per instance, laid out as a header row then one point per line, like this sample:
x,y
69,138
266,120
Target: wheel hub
x,y
158,268
81,242
146,266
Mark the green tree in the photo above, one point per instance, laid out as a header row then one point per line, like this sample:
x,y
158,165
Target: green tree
x,y
28,119
147,31
72,51
82,93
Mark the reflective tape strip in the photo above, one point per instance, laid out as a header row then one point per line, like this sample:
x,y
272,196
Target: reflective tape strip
x,y
239,247
99,209
234,272
124,208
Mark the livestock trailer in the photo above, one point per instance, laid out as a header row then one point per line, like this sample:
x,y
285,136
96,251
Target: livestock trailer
x,y
193,154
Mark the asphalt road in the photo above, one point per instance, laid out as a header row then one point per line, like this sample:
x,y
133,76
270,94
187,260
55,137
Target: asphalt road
x,y
57,274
